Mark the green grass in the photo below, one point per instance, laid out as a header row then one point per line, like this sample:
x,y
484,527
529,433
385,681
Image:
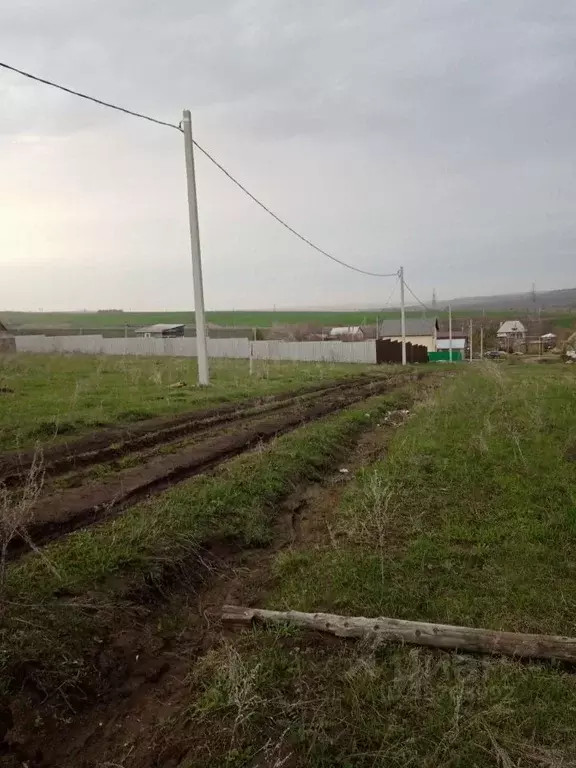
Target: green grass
x,y
285,696
55,396
61,607
565,321
469,518
474,508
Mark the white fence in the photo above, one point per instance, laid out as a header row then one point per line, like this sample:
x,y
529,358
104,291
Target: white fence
x,y
98,345
313,351
321,351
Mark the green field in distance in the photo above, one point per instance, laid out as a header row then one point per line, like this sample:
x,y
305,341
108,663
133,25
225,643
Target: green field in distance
x,y
243,318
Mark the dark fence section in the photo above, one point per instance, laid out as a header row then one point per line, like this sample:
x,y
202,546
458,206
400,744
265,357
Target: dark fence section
x,y
391,352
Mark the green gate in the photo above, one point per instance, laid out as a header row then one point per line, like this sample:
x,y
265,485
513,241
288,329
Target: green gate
x,y
444,356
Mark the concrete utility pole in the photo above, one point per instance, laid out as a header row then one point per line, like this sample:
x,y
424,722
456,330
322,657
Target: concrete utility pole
x,y
402,315
482,341
201,344
471,340
450,332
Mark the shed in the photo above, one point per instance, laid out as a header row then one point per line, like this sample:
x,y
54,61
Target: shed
x,y
419,330
548,340
161,331
457,343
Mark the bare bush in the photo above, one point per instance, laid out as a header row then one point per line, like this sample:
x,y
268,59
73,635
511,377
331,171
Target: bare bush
x,y
17,509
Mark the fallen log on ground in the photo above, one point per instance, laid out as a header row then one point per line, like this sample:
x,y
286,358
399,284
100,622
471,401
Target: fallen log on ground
x,y
442,636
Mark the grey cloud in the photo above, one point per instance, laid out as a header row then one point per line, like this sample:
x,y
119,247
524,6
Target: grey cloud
x,y
440,134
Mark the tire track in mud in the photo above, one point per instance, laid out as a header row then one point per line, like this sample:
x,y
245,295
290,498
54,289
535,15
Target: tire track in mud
x,y
152,678
108,444
58,515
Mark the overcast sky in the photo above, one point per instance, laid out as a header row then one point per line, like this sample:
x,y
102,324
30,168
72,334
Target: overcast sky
x,y
439,135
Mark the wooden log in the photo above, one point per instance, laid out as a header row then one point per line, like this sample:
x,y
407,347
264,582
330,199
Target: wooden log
x,y
443,636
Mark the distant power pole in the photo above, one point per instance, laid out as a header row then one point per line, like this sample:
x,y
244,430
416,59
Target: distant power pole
x,y
450,332
201,344
402,315
434,301
470,338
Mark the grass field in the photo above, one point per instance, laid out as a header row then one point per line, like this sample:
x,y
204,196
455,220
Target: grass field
x,y
469,519
251,319
155,542
466,515
48,397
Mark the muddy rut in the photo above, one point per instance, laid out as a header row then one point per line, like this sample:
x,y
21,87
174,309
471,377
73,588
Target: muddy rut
x,y
72,508
107,444
142,722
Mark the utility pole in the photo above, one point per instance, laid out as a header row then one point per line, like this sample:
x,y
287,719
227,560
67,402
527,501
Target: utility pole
x,y
470,339
482,340
450,332
201,344
402,315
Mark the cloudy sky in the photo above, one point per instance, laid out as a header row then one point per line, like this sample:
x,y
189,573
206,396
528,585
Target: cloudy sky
x,y
439,135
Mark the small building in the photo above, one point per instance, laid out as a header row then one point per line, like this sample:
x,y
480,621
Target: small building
x,y
548,340
511,335
458,343
161,331
423,331
7,340
347,333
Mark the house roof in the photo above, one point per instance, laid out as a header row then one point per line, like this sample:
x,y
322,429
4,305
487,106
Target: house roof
x,y
455,335
511,326
415,326
4,331
160,328
346,330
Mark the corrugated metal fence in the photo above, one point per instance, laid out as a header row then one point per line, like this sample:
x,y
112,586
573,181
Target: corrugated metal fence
x,y
319,351
388,351
98,345
369,352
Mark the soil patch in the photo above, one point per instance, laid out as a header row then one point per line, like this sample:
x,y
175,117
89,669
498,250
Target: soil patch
x,y
107,444
144,723
73,508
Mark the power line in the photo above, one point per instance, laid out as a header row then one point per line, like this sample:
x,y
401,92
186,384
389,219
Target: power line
x,y
386,303
287,226
416,297
208,155
88,98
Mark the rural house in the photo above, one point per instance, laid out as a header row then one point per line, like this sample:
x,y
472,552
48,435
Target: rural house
x,y
347,333
422,331
161,331
511,335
